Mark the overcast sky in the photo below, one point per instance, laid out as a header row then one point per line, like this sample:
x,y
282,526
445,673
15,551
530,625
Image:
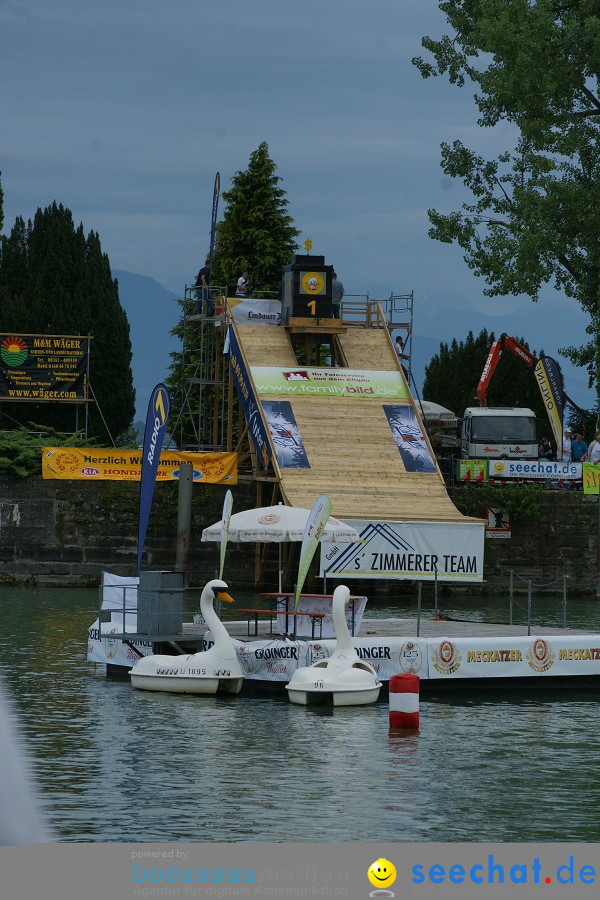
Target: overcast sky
x,y
123,110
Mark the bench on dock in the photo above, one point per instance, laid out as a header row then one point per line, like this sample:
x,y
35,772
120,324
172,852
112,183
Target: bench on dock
x,y
283,601
253,614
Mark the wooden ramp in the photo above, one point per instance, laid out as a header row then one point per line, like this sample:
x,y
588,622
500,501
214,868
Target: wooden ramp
x,y
353,456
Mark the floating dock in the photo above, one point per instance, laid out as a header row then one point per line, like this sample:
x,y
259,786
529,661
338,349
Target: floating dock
x,y
446,654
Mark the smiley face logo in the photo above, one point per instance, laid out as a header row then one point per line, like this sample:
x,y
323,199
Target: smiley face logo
x,y
382,873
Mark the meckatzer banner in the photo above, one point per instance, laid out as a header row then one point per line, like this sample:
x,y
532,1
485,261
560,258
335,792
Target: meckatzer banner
x,y
92,464
512,657
408,550
157,417
44,367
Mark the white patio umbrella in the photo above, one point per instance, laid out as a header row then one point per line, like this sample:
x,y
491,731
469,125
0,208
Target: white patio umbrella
x,y
433,412
277,524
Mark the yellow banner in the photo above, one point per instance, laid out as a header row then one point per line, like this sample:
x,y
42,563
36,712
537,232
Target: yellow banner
x,y
549,391
92,464
591,478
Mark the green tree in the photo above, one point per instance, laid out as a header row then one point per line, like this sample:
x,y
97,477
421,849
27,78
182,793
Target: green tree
x,y
533,218
452,376
256,233
55,280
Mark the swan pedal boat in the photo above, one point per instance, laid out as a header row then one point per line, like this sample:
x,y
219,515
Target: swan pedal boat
x,y
212,671
344,679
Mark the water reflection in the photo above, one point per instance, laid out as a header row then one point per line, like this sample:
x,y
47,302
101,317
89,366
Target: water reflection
x,y
117,764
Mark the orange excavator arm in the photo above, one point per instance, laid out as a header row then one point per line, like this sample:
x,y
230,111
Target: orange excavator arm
x,y
504,342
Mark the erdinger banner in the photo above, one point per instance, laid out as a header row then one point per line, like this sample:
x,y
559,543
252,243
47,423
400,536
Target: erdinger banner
x,y
277,660
154,435
44,367
550,383
92,464
408,550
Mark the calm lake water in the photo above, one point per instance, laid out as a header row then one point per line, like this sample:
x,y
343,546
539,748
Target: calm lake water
x,y
114,764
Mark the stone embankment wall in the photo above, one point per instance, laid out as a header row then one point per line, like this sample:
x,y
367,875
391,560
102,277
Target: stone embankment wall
x,y
55,532
562,539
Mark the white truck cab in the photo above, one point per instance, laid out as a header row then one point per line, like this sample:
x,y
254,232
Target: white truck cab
x,y
502,432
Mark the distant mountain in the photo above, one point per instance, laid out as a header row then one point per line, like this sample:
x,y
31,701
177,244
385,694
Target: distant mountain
x,y
547,325
152,313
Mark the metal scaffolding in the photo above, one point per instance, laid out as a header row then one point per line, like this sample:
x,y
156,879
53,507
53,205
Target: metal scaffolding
x,y
203,377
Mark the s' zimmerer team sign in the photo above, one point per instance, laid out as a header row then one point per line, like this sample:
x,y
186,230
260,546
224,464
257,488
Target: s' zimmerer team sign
x,y
44,367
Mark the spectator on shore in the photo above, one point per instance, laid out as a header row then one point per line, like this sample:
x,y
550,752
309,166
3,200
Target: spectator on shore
x,y
566,446
578,448
202,287
545,449
593,453
242,287
337,295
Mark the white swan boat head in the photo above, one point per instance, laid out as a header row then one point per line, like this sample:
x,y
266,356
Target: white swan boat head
x,y
212,670
344,678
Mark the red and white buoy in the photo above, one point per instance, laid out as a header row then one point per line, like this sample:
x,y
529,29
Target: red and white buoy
x,y
404,703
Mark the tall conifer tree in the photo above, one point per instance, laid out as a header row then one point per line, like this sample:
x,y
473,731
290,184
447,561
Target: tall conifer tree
x,y
452,376
256,233
54,280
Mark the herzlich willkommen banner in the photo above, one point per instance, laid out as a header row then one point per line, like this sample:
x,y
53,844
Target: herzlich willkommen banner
x,y
154,435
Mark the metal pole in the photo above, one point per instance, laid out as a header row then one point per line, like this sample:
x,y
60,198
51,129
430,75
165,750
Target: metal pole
x,y
564,601
598,550
184,518
279,564
295,617
435,593
419,609
529,607
510,606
